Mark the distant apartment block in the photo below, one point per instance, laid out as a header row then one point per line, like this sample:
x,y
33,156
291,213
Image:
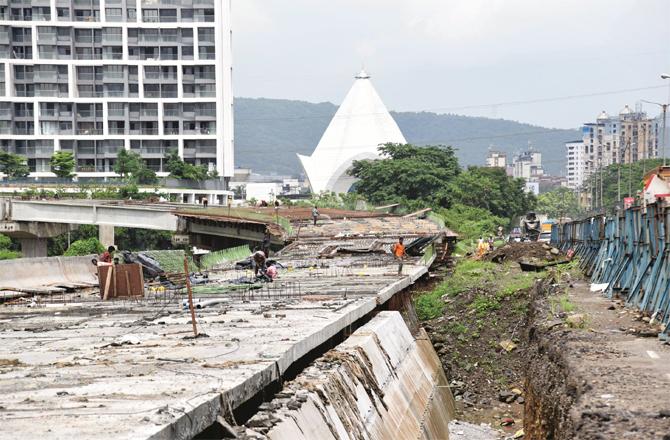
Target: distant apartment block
x,y
527,165
576,163
97,76
496,159
628,137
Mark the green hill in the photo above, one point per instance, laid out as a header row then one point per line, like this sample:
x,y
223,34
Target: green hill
x,y
269,133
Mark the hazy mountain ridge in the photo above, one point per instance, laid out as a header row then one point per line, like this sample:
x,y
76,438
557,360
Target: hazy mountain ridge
x,y
269,133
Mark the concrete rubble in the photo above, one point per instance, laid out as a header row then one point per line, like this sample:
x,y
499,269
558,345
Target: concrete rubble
x,y
84,368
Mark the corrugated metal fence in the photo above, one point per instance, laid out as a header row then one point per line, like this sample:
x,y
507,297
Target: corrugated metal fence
x,y
629,252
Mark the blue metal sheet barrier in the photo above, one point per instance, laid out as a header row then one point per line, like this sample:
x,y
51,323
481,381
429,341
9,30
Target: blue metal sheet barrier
x,y
630,252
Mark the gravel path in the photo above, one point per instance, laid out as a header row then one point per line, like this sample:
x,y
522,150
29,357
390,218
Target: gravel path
x,y
467,431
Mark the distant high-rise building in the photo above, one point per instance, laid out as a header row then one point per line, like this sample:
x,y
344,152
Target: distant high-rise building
x,y
576,164
628,137
527,165
496,159
96,77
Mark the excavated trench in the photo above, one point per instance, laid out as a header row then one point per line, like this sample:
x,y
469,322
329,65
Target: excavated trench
x,y
322,394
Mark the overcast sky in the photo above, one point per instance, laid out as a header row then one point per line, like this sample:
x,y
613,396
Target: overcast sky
x,y
453,55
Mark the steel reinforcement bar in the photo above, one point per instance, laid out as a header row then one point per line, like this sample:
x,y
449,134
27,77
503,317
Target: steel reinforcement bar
x,y
629,253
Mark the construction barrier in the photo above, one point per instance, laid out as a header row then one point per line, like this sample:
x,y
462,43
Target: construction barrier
x,y
47,274
627,252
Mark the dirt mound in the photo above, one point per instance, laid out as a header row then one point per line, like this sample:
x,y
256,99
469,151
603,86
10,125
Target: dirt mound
x,y
526,251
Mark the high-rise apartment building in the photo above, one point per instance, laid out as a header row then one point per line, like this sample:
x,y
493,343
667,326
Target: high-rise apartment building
x,y
576,164
527,165
97,76
628,137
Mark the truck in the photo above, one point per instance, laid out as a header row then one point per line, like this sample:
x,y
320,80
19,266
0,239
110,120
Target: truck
x,y
530,227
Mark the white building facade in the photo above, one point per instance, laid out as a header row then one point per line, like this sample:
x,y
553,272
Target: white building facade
x,y
94,77
496,159
576,163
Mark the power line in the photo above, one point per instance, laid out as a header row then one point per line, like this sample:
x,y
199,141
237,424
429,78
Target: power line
x,y
468,107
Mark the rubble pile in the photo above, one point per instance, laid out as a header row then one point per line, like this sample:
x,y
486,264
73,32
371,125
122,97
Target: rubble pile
x,y
525,251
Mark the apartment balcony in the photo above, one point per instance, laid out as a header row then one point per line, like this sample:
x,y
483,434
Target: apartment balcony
x,y
170,131
143,132
89,114
23,131
202,131
89,131
117,130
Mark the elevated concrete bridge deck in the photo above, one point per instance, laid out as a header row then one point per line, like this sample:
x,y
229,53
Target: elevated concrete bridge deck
x,y
82,368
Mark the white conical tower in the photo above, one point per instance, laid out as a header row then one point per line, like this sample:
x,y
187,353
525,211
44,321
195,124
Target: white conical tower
x,y
360,125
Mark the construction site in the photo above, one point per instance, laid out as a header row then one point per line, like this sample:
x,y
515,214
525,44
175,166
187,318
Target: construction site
x,y
343,341
85,357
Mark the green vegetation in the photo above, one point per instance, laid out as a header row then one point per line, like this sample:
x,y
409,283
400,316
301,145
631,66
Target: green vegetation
x,y
326,199
216,258
59,244
471,223
560,202
561,304
184,170
131,239
130,165
467,274
493,190
7,251
86,246
284,127
413,176
172,261
631,181
13,165
62,163
473,202
493,283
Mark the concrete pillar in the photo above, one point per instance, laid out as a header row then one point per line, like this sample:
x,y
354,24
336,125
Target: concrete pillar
x,y
190,198
106,235
33,247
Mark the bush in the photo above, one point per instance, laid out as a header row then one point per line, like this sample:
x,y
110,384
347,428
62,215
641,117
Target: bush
x,y
471,223
6,254
84,247
5,242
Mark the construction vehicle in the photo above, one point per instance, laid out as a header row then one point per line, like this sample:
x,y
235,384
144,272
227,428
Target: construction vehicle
x,y
530,227
545,228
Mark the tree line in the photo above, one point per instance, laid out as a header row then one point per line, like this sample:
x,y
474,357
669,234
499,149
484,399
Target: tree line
x,y
129,165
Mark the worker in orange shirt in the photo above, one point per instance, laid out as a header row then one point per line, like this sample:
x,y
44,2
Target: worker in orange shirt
x,y
398,250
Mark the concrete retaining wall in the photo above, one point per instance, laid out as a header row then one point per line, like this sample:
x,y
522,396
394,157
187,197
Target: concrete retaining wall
x,y
380,383
47,273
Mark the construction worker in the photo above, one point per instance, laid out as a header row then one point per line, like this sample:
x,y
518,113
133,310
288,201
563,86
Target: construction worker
x,y
258,262
482,246
107,256
315,214
265,245
398,250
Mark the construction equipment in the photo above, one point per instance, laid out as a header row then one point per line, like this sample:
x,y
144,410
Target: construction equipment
x,y
530,227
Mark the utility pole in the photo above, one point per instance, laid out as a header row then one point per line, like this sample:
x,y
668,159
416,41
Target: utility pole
x,y
665,108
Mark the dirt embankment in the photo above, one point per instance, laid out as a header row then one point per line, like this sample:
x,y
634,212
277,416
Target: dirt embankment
x,y
542,352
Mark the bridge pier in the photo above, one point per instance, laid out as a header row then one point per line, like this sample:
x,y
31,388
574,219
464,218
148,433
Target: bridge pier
x,y
106,235
33,235
33,247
